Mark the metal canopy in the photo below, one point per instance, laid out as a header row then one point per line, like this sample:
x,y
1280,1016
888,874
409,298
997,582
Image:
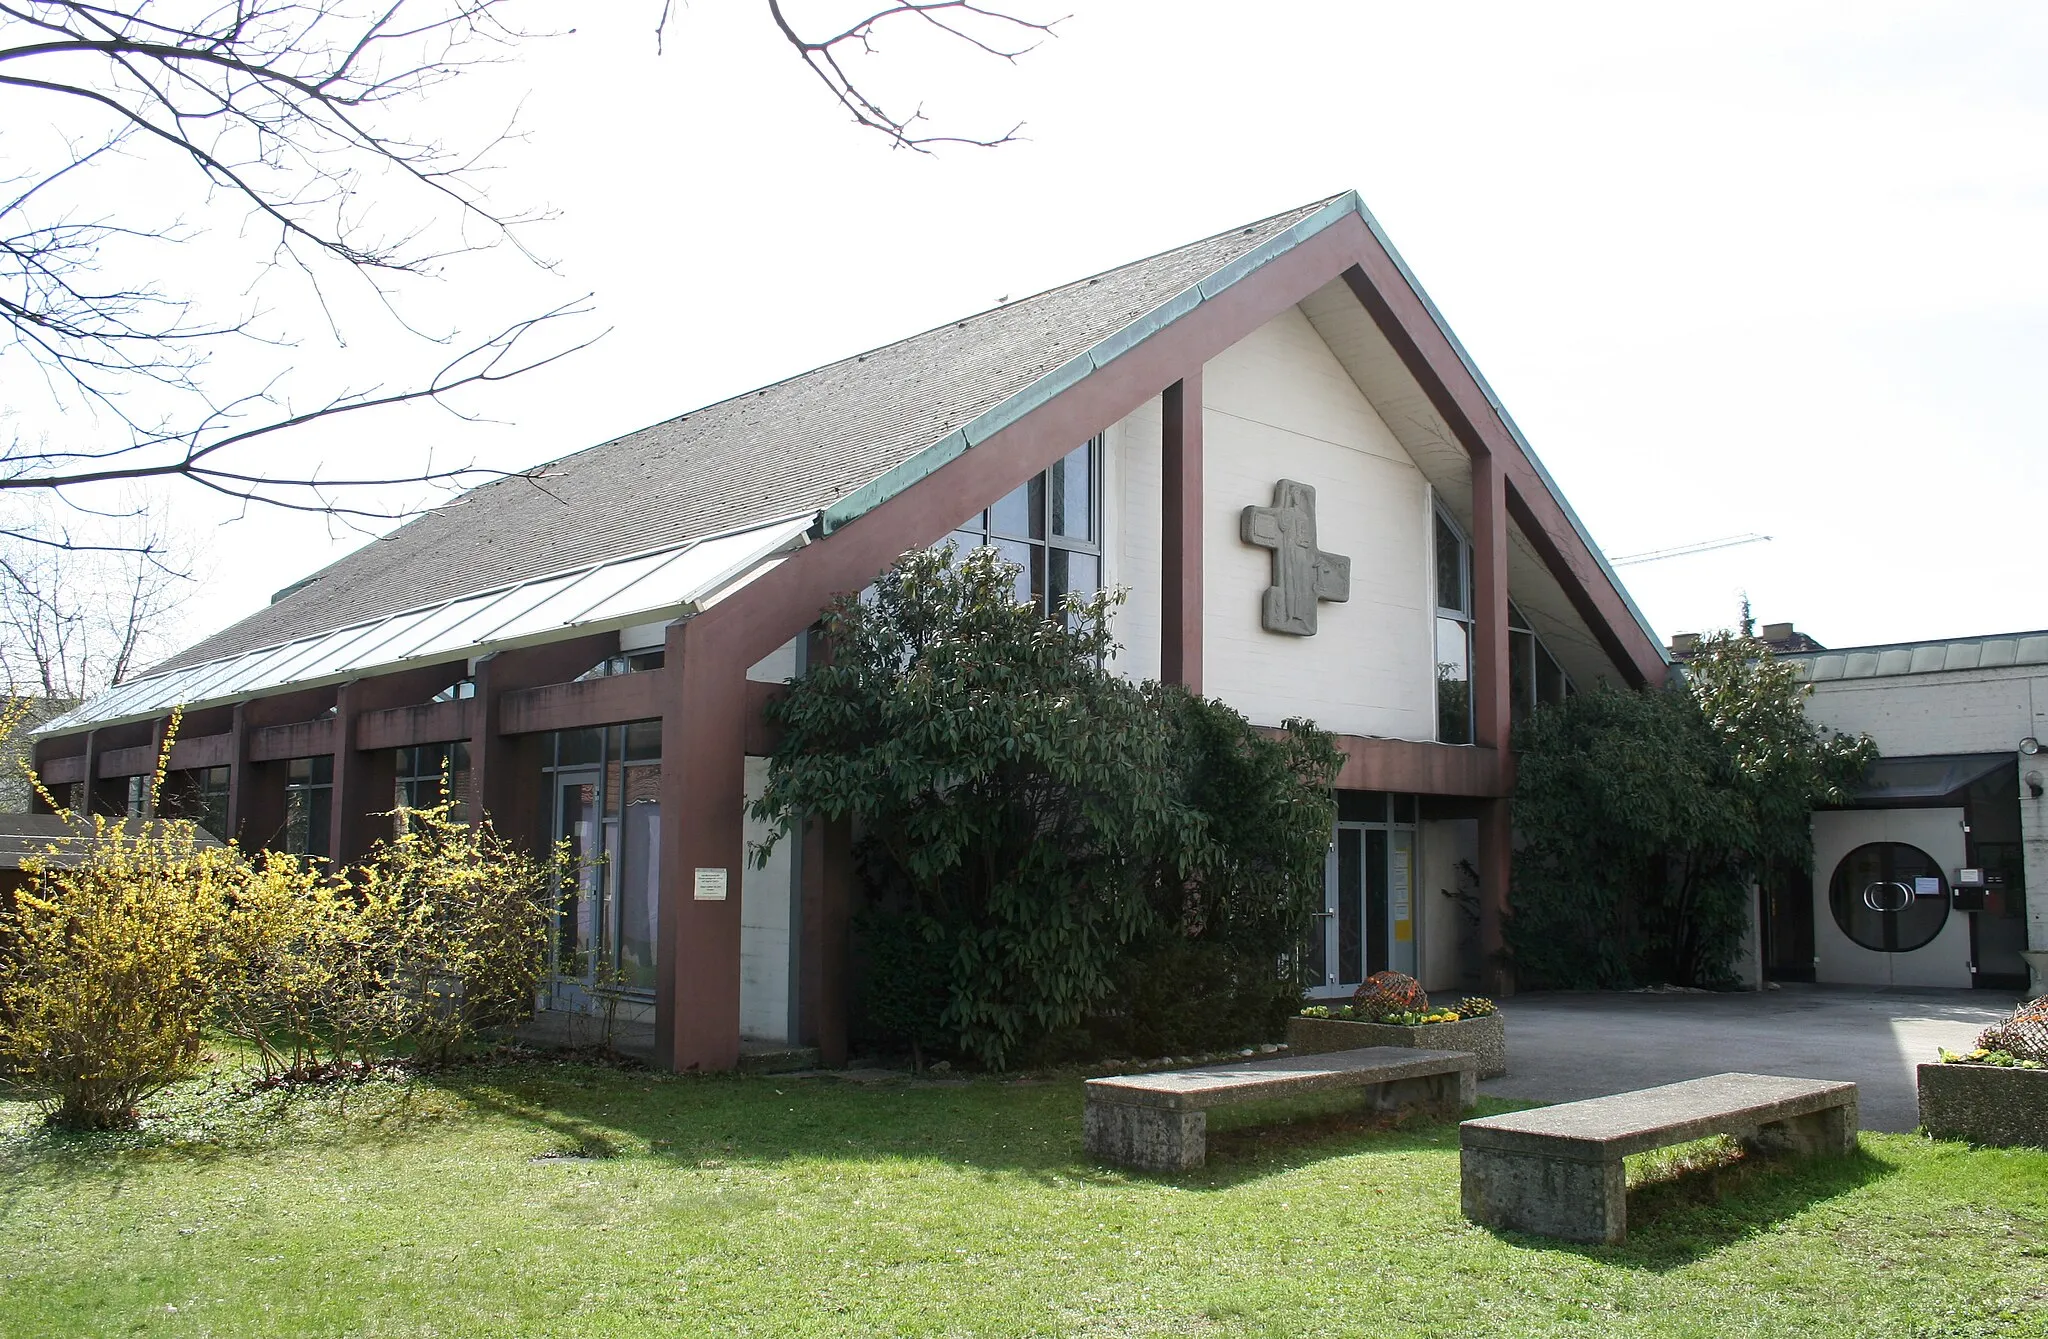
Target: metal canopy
x,y
1928,778
647,587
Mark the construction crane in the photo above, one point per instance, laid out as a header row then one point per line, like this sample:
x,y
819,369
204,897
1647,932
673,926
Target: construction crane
x,y
1686,550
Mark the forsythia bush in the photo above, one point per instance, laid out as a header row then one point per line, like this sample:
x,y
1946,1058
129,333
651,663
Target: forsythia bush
x,y
111,967
131,939
453,931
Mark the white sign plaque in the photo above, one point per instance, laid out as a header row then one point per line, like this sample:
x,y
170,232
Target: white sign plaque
x,y
711,885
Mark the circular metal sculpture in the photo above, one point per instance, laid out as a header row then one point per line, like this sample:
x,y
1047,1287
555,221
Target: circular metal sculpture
x,y
1889,897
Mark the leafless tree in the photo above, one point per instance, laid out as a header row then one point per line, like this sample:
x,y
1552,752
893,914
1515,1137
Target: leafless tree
x,y
73,622
302,115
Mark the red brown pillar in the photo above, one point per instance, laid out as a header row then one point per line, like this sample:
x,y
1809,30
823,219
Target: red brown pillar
x,y
255,790
1180,640
703,802
1492,716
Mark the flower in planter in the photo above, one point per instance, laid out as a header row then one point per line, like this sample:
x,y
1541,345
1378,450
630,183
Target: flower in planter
x,y
1476,1006
1984,1056
1385,993
2024,1036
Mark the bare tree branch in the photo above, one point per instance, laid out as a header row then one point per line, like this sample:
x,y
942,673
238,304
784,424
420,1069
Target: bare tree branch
x,y
961,20
305,117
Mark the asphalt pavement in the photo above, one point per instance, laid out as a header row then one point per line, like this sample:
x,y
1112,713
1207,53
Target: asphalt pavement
x,y
1562,1047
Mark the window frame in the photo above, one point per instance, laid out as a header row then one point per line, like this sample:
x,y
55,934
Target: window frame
x,y
979,530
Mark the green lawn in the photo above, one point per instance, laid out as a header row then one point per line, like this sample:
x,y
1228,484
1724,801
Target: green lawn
x,y
775,1206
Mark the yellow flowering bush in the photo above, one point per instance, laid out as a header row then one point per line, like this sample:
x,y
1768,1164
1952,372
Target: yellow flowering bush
x,y
453,927
112,961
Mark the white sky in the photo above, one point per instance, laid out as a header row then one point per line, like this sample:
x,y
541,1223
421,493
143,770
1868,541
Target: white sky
x,y
1774,268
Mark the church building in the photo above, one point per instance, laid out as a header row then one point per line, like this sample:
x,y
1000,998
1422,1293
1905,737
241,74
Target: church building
x,y
1268,436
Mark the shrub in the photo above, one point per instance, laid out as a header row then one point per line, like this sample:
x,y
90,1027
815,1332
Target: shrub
x,y
1385,993
1010,790
116,955
1048,827
449,936
294,969
1647,817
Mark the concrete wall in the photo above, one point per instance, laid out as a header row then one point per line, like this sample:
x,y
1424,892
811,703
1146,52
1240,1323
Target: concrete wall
x,y
1448,950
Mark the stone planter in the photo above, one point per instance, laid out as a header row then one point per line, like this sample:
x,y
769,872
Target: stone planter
x,y
1985,1104
1485,1037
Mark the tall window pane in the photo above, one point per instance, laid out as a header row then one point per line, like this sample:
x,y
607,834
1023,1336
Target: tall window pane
x,y
1073,494
1453,682
1450,567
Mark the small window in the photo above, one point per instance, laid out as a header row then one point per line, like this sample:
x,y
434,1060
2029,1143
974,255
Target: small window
x,y
309,806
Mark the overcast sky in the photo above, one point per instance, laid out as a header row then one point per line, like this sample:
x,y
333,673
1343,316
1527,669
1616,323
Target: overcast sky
x,y
1775,268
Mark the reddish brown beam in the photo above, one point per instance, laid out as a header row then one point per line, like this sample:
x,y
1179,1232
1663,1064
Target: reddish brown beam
x,y
1491,713
62,771
298,739
418,723
579,706
136,760
191,753
1424,349
1414,767
1180,625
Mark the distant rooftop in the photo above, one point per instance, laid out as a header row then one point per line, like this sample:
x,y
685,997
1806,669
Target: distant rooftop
x,y
1997,651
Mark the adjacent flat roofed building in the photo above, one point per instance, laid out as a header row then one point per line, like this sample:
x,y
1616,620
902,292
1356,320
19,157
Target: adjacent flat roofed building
x,y
1933,873
1269,436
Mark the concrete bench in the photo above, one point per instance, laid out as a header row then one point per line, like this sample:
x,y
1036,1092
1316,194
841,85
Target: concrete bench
x,y
1160,1122
1557,1171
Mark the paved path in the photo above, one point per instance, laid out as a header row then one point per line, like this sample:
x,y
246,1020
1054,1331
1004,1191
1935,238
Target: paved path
x,y
1565,1047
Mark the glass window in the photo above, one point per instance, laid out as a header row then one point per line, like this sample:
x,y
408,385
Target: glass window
x,y
428,774
309,805
1049,529
1453,681
1450,567
1361,806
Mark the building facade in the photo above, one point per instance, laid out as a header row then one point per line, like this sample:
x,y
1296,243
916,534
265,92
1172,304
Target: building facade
x,y
1269,437
1923,878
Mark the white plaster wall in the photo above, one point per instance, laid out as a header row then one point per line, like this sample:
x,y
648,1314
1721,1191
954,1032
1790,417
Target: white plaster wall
x,y
765,903
1131,536
1279,405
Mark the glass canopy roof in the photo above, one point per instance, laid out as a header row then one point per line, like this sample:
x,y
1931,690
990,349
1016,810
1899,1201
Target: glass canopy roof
x,y
620,592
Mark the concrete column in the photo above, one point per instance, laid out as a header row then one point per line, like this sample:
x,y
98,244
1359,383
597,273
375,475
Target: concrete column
x,y
255,790
703,800
2034,862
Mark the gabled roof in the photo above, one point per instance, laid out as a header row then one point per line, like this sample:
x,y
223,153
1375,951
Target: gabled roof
x,y
804,444
820,449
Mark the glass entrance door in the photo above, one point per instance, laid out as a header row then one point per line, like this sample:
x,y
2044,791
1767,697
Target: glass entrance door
x,y
1367,923
580,927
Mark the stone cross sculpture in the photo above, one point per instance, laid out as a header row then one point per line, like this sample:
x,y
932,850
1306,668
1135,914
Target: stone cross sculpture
x,y
1302,573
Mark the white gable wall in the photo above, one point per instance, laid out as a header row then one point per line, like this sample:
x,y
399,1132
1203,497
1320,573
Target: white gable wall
x,y
1279,405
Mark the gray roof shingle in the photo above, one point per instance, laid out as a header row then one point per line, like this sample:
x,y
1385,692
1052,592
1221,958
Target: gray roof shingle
x,y
793,446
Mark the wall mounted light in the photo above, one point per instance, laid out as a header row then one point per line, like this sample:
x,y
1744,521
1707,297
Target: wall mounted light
x,y
2030,746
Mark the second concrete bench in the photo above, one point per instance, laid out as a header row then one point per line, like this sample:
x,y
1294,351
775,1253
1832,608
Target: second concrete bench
x,y
1160,1122
1557,1171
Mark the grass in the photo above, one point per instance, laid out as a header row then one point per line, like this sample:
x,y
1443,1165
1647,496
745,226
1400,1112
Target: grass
x,y
561,1199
